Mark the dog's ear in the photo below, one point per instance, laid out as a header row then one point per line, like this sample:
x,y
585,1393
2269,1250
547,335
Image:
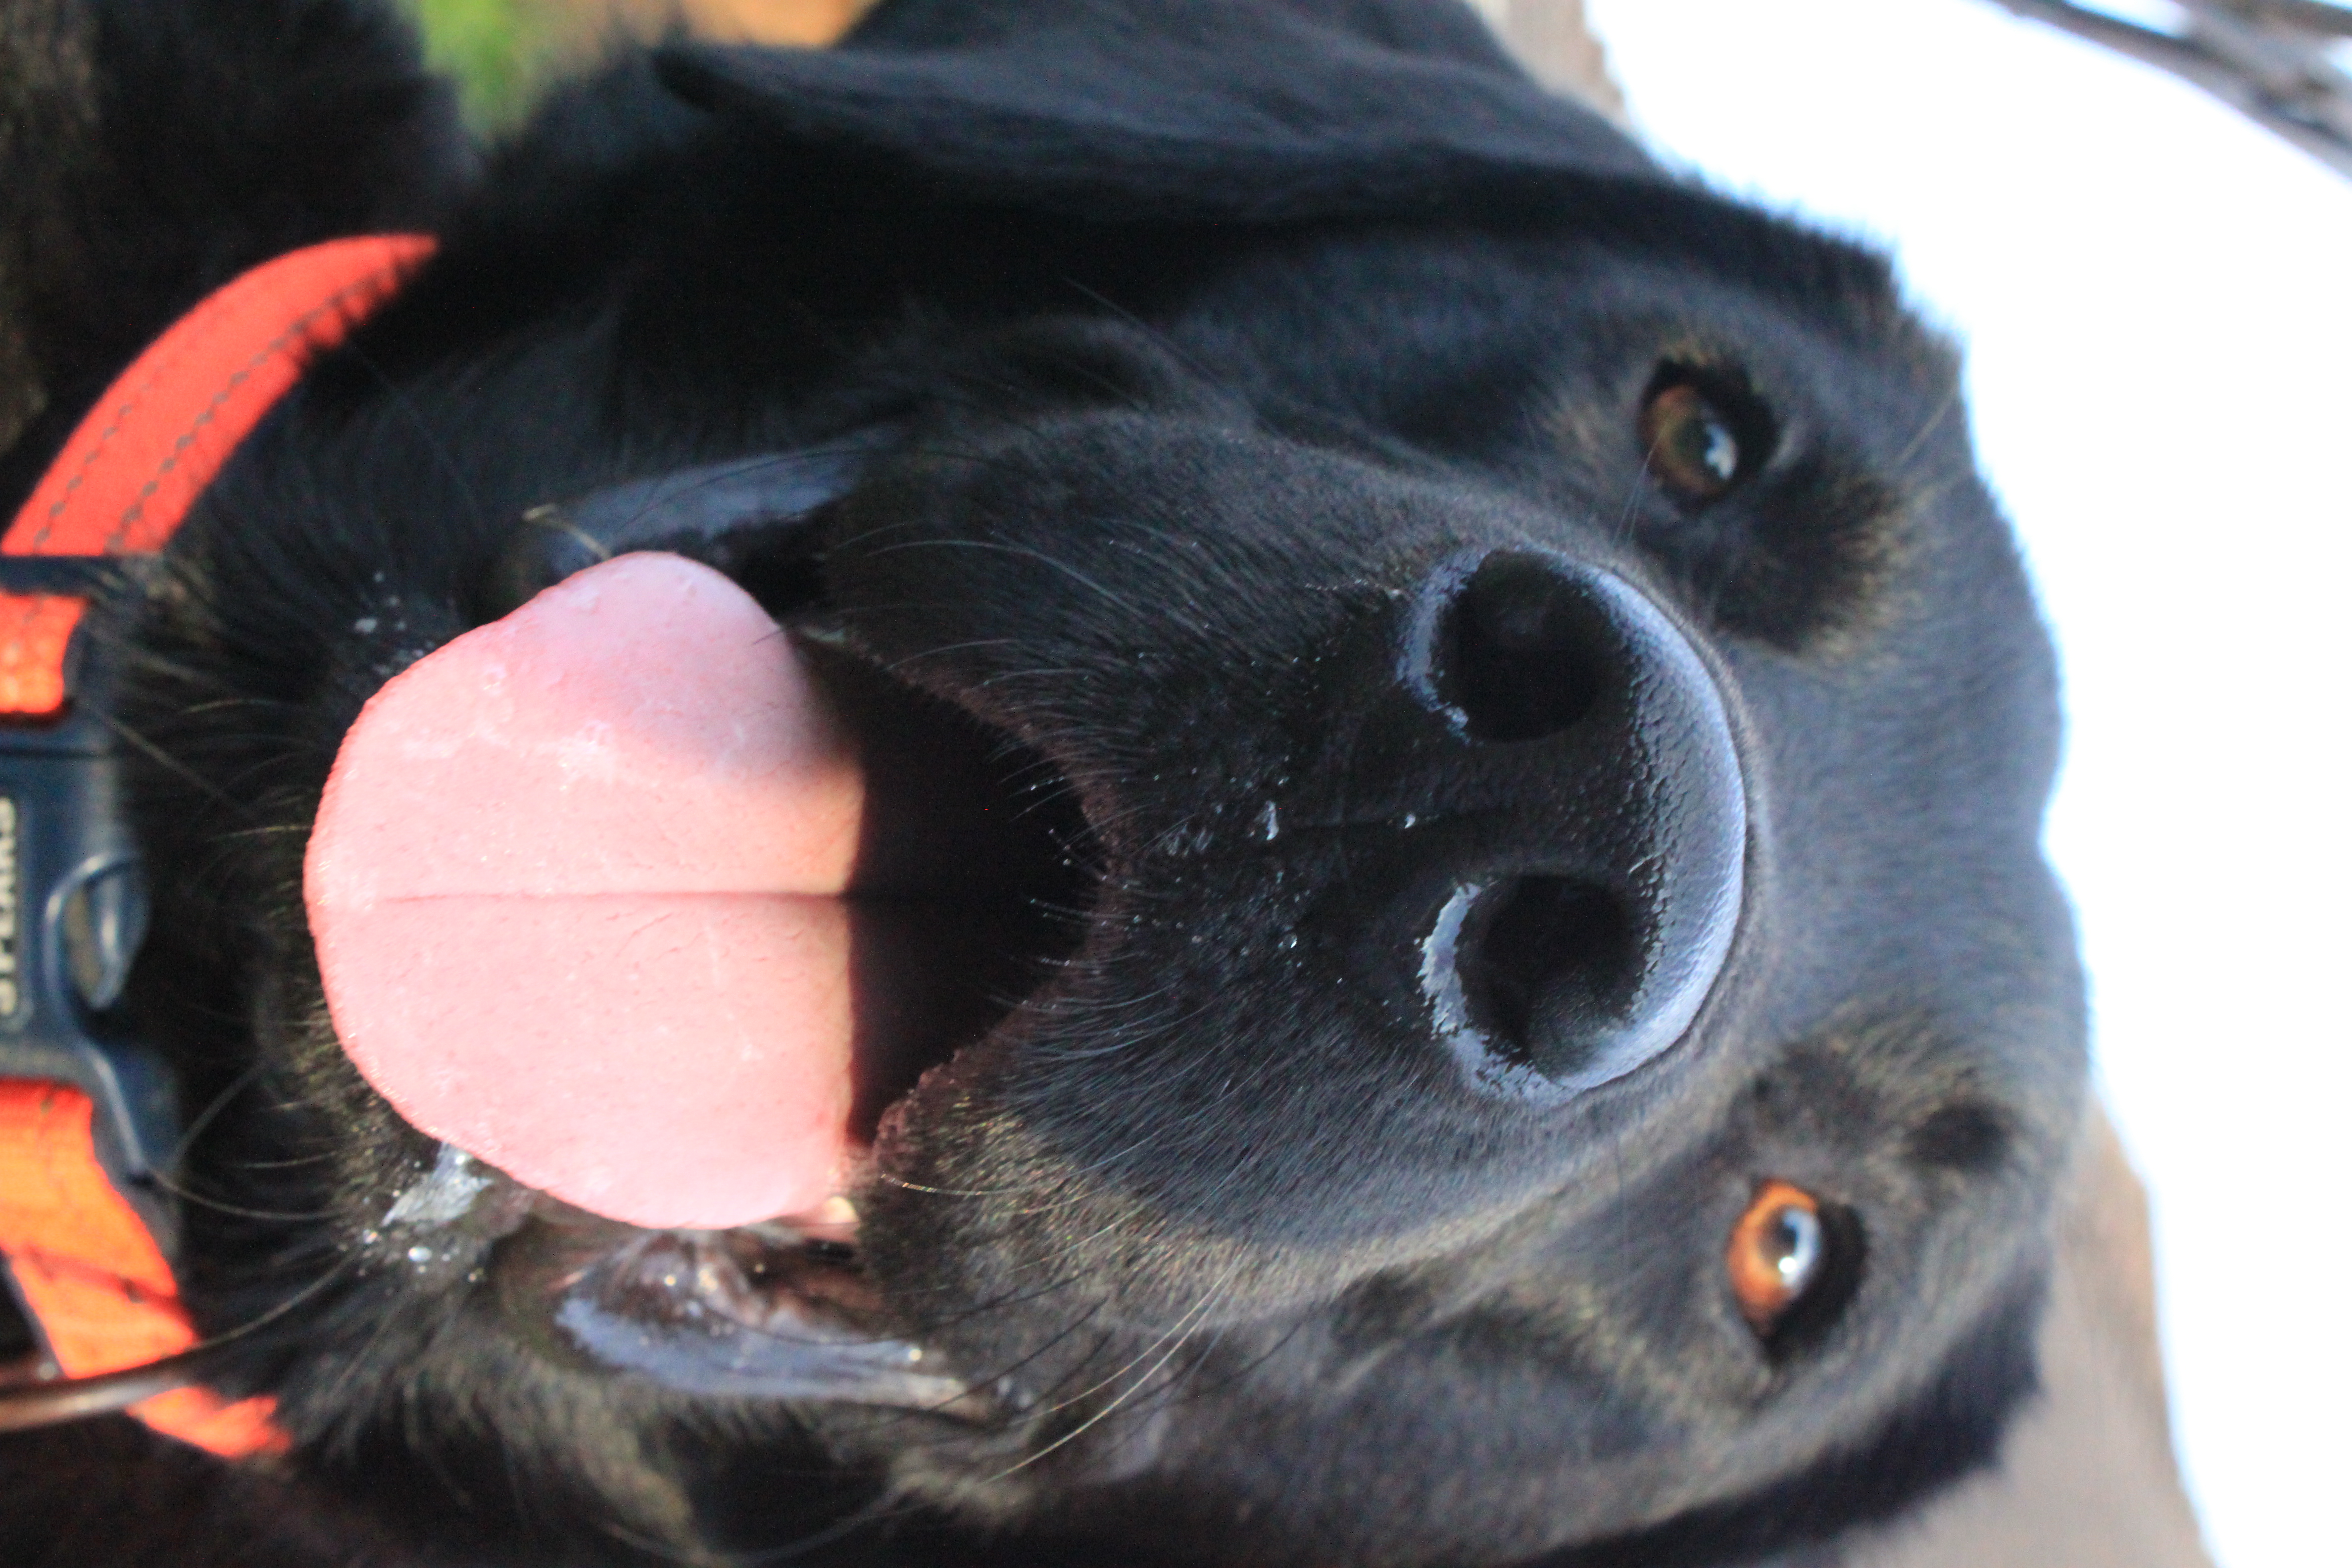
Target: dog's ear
x,y
150,149
1175,109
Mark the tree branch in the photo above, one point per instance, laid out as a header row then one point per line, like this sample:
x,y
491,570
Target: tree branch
x,y
2266,58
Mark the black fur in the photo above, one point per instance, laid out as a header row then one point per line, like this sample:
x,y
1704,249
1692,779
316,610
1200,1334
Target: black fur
x,y
1215,326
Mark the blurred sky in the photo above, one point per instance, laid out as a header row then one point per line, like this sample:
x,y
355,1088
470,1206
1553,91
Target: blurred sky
x,y
2155,298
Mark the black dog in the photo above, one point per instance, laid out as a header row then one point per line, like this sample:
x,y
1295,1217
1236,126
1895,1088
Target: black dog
x,y
1518,1017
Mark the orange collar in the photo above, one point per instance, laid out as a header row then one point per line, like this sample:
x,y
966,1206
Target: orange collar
x,y
85,1264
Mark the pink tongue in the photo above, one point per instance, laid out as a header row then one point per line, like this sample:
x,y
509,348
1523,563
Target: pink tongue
x,y
574,887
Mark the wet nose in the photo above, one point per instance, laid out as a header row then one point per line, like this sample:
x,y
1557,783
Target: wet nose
x,y
1568,888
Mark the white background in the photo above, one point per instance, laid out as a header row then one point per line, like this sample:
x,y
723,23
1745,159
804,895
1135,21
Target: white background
x,y
2155,298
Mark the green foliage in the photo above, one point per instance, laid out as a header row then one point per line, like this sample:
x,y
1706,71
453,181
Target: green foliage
x,y
495,49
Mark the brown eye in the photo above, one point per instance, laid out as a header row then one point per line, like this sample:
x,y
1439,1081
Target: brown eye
x,y
1779,1250
1691,444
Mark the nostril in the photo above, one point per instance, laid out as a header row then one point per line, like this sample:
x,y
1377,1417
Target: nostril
x,y
1549,967
1598,826
1523,651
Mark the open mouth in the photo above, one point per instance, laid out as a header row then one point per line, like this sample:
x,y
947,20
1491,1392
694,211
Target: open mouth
x,y
974,880
976,872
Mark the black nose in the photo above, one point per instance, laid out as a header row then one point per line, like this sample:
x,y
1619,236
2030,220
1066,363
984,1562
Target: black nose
x,y
1575,878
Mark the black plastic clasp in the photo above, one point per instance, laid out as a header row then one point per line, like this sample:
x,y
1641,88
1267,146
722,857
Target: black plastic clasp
x,y
73,909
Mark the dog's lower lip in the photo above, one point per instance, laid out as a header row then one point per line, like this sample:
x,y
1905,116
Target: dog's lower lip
x,y
775,1311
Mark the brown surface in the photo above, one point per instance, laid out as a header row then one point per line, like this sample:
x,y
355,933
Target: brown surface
x,y
2087,1480
1550,38
774,21
801,22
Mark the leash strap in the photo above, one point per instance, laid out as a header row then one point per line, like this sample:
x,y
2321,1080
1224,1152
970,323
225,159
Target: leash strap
x,y
84,1262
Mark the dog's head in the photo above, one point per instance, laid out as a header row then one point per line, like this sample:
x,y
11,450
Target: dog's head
x,y
1495,992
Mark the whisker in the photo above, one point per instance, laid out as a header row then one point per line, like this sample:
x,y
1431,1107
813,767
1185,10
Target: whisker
x,y
1197,1314
1029,552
